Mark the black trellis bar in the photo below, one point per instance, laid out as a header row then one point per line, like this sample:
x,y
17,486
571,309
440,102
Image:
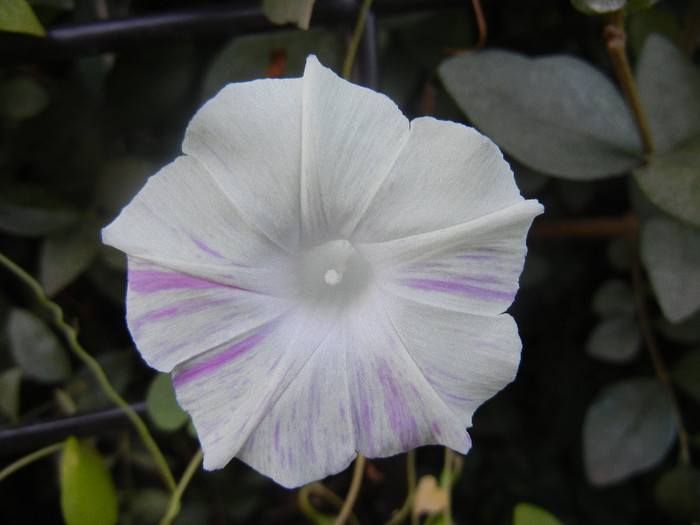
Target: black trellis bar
x,y
30,437
91,38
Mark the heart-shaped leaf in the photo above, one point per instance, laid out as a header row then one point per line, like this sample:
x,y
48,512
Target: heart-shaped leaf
x,y
669,88
671,254
555,114
628,428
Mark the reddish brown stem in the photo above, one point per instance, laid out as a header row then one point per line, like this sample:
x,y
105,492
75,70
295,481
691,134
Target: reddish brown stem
x,y
616,39
626,225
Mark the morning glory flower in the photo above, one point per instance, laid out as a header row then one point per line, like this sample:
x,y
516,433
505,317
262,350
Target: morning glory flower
x,y
323,277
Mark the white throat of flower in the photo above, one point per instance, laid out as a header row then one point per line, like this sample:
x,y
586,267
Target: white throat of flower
x,y
333,271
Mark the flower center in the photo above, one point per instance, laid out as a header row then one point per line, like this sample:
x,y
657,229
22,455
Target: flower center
x,y
333,271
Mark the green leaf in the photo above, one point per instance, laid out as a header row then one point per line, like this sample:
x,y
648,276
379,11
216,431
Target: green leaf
x,y
615,339
65,5
65,256
36,348
120,181
610,6
17,16
656,20
582,6
621,253
109,278
685,332
285,11
678,492
628,429
671,253
149,505
22,98
601,6
669,88
150,85
87,490
557,114
10,382
639,5
671,181
162,405
247,58
614,297
426,37
686,374
33,211
83,387
529,514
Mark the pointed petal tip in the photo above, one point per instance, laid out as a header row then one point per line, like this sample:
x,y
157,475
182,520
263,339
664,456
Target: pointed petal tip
x,y
313,61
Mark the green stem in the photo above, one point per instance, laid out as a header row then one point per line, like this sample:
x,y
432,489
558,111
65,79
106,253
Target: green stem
x,y
615,37
30,458
328,495
405,510
446,480
135,419
71,338
355,484
174,507
659,367
355,41
305,505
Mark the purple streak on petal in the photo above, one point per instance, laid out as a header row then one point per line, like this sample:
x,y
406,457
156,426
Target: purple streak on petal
x,y
463,399
150,281
434,285
431,266
277,437
401,417
475,280
211,365
361,414
186,308
476,257
206,249
436,429
163,314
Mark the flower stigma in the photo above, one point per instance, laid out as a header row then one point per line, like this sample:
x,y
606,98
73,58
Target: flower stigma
x,y
333,277
333,272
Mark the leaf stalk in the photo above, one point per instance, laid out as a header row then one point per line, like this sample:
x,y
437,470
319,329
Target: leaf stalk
x,y
616,40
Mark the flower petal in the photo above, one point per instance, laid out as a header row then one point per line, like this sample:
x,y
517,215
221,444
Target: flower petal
x,y
182,221
472,267
465,358
174,317
446,174
395,408
249,138
230,389
351,136
307,434
360,390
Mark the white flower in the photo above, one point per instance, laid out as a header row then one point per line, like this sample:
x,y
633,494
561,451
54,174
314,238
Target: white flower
x,y
323,276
